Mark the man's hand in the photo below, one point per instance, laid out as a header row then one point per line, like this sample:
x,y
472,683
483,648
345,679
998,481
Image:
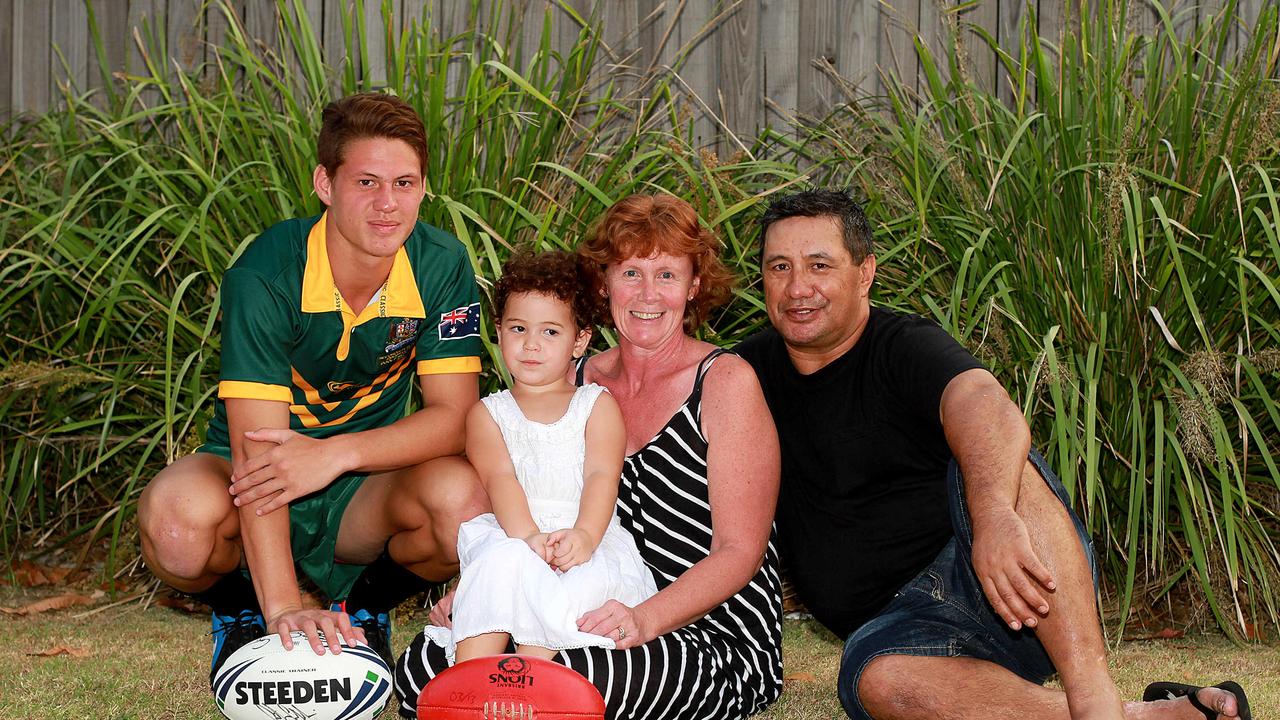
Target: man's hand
x,y
298,465
572,547
314,621
1012,575
540,545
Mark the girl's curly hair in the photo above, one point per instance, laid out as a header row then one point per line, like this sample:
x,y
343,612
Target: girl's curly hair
x,y
563,275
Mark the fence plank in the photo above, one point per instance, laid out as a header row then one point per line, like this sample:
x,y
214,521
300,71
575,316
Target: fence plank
x,y
818,47
70,44
374,74
7,102
938,29
697,41
146,21
621,37
738,93
31,79
1009,26
185,36
861,24
982,57
899,25
779,56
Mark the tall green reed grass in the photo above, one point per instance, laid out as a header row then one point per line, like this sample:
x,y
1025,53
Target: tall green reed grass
x,y
121,210
1107,242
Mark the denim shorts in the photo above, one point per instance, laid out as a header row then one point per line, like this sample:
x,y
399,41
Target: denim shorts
x,y
943,612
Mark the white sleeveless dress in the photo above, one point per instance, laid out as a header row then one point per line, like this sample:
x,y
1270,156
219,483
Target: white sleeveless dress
x,y
505,586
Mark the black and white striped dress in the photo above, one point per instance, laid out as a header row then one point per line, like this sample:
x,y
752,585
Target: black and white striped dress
x,y
726,665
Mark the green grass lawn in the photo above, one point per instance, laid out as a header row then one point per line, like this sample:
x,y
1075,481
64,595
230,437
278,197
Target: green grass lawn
x,y
153,663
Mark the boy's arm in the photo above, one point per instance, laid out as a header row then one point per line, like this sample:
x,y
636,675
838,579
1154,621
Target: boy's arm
x,y
601,470
265,539
292,465
487,452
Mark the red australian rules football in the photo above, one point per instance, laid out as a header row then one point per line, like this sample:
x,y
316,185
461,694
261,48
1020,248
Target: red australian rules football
x,y
510,686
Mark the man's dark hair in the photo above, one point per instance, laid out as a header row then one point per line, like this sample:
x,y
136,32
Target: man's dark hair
x,y
823,202
368,115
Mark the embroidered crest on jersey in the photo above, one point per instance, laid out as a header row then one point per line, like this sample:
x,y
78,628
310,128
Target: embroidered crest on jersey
x,y
402,333
460,322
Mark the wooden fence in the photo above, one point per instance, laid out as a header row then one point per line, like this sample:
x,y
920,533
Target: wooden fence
x,y
750,62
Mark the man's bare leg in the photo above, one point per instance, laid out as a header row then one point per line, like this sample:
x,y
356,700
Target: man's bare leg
x,y
904,687
419,509
190,531
900,686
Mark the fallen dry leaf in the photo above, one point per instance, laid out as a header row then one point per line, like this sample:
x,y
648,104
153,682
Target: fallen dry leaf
x,y
184,604
61,650
54,603
799,677
29,574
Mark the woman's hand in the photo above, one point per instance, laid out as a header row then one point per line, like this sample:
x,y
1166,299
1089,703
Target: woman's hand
x,y
570,547
626,626
441,614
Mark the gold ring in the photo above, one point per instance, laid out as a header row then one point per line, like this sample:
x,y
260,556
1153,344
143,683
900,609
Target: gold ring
x,y
622,634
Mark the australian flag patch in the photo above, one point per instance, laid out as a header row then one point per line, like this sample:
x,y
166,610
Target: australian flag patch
x,y
460,322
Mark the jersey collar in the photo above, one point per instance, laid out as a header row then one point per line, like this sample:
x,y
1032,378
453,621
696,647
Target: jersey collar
x,y
400,296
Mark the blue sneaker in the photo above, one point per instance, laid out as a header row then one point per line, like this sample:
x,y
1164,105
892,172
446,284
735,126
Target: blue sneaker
x,y
377,630
232,632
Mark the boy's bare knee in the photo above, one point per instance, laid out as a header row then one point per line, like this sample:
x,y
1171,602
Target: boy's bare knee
x,y
453,494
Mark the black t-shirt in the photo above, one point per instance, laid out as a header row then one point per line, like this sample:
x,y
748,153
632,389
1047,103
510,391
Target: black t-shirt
x,y
863,506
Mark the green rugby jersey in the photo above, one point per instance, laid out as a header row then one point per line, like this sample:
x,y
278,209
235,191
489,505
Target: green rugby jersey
x,y
288,335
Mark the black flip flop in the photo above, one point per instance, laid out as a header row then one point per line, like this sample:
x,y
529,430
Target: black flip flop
x,y
1173,691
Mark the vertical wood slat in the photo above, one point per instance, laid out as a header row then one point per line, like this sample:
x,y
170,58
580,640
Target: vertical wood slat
x,y
701,65
780,62
819,44
861,24
146,21
31,77
1009,35
185,34
623,61
982,57
898,27
375,46
70,44
738,93
937,29
8,104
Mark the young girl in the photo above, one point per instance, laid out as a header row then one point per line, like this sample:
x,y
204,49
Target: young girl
x,y
549,454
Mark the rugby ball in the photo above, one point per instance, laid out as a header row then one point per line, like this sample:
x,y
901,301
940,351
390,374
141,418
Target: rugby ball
x,y
510,686
263,680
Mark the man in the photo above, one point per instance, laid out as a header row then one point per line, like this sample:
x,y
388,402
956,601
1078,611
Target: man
x,y
310,459
914,517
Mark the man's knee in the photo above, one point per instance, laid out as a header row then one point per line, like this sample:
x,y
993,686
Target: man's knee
x,y
880,689
448,491
179,515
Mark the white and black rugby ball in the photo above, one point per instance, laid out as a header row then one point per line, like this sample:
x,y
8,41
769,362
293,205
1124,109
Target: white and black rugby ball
x,y
262,680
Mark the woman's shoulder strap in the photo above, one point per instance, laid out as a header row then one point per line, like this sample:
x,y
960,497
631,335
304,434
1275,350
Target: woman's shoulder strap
x,y
704,366
580,370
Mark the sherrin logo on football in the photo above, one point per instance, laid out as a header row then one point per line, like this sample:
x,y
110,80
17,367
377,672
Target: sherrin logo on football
x,y
263,680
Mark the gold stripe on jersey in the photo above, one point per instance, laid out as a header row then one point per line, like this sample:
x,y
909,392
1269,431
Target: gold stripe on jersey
x,y
366,396
253,391
444,366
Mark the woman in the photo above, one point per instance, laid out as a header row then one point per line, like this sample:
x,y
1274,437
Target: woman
x,y
698,487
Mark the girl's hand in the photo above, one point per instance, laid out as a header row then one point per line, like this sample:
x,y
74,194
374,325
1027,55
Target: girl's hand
x,y
540,543
572,547
625,626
